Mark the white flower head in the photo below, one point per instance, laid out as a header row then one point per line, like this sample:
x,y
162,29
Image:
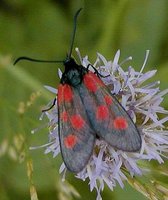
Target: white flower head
x,y
142,102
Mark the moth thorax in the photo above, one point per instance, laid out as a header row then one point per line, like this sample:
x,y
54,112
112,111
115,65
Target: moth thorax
x,y
74,77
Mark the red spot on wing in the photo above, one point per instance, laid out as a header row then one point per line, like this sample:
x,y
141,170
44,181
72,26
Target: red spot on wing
x,y
102,112
60,93
77,121
64,116
92,82
96,78
108,100
70,141
67,93
64,93
120,123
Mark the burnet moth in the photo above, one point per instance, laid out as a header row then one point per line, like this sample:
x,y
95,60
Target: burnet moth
x,y
87,110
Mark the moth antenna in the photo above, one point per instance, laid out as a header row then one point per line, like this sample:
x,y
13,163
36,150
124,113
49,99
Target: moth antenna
x,y
74,32
36,60
54,61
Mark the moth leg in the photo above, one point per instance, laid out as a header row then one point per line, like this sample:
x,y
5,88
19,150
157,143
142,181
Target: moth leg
x,y
53,104
96,71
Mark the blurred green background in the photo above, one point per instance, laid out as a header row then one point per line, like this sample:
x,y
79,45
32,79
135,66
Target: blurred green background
x,y
42,29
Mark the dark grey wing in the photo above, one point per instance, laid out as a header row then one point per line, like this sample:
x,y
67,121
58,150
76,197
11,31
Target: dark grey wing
x,y
107,117
76,136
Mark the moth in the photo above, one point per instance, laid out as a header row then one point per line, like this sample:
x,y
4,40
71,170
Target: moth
x,y
86,111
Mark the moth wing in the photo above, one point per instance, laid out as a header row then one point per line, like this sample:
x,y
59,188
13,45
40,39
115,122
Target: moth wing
x,y
76,136
107,117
